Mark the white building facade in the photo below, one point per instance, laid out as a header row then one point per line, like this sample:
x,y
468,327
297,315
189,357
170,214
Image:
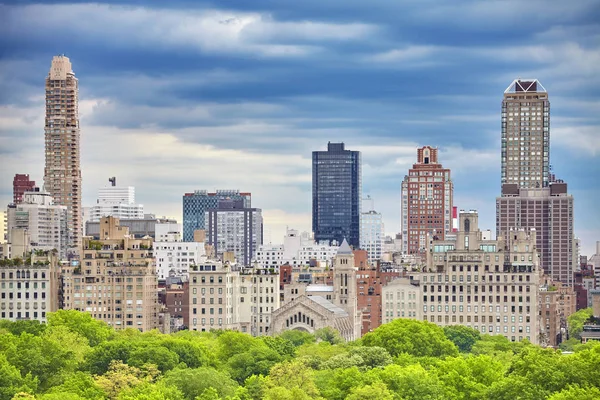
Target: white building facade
x,y
45,222
29,292
116,202
372,230
173,256
298,249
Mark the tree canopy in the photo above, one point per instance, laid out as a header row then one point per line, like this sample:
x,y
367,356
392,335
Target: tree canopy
x,y
75,357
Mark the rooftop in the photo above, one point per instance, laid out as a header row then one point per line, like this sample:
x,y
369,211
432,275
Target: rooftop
x,y
339,312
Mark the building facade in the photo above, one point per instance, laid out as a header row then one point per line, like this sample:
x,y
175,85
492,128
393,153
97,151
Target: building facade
x,y
227,296
177,302
29,292
118,202
173,256
213,297
549,211
401,298
371,230
197,203
115,280
298,249
488,285
62,172
232,227
45,222
427,201
526,135
556,303
21,184
336,191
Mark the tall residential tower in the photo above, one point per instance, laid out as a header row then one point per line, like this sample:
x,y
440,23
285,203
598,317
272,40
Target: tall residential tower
x,y
62,172
531,198
336,194
427,193
526,134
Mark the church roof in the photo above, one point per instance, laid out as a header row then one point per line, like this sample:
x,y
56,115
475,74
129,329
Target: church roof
x,y
344,248
338,311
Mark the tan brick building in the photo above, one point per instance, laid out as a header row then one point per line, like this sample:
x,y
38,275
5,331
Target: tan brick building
x,y
116,279
488,285
227,296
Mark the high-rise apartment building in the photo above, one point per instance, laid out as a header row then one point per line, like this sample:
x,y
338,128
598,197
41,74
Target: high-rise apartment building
x,y
21,184
526,134
550,212
427,199
531,198
336,191
62,172
233,228
118,202
371,230
197,203
45,222
114,280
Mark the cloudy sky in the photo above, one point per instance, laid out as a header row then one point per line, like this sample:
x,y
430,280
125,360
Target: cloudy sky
x,y
184,95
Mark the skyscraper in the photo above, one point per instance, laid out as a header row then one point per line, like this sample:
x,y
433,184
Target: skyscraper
x,y
526,134
336,185
531,198
62,172
21,184
197,203
427,195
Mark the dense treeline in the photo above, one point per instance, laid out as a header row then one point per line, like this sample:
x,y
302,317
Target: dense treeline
x,y
77,357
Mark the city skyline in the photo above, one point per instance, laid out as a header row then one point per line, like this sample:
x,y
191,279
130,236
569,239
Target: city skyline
x,y
188,135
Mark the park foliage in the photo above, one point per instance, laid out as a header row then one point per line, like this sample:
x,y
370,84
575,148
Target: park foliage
x,y
74,356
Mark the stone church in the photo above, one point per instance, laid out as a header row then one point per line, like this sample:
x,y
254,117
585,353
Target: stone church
x,y
309,313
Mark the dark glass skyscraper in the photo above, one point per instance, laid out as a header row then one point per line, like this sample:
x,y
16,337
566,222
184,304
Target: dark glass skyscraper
x,y
336,194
